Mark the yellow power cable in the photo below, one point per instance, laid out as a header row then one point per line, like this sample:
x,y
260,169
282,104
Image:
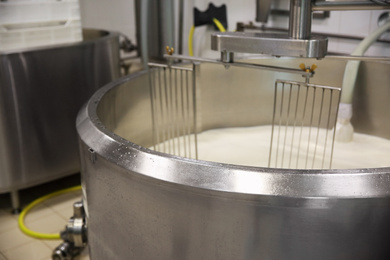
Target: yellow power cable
x,y
33,204
191,34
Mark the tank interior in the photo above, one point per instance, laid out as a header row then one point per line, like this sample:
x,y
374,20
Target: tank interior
x,y
230,210
242,97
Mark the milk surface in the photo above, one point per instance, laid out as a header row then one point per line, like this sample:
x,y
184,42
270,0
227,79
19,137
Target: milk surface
x,y
250,146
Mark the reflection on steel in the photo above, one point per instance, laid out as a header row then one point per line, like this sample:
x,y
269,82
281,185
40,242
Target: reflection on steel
x,y
41,90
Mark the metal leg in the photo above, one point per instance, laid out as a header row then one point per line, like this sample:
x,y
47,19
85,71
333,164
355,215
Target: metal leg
x,y
15,202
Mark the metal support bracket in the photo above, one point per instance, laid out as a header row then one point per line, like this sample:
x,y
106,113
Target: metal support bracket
x,y
272,44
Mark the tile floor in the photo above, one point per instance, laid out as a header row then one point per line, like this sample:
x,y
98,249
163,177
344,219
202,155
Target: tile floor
x,y
50,216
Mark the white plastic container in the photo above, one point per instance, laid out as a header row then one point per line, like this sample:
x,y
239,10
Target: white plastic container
x,y
25,24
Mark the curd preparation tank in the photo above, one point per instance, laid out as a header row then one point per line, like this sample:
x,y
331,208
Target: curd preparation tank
x,y
144,204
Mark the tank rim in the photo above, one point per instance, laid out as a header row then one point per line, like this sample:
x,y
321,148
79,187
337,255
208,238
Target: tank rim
x,y
221,177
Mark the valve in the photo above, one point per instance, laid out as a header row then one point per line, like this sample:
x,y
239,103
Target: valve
x,y
74,235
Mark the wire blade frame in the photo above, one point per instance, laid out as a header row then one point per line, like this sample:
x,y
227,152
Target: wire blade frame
x,y
303,125
173,106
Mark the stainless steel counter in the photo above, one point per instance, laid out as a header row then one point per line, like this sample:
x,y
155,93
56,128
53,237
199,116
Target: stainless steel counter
x,y
41,90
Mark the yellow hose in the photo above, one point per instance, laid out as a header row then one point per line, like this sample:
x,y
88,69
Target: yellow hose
x,y
33,204
219,25
191,34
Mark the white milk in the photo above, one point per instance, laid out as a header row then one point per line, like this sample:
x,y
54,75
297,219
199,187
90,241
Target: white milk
x,y
250,146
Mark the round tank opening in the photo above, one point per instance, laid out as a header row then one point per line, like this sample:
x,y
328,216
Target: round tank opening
x,y
251,117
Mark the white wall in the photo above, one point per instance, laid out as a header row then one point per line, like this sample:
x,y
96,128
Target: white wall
x,y
351,23
114,15
119,15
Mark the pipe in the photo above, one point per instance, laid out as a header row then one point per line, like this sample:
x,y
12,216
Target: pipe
x,y
352,67
263,8
347,5
166,26
181,22
344,128
300,19
144,32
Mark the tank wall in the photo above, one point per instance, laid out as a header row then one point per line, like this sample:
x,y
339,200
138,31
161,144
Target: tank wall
x,y
126,110
147,205
139,217
372,99
244,97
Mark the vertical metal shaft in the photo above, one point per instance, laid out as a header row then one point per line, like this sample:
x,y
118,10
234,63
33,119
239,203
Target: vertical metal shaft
x,y
300,19
15,201
152,103
263,8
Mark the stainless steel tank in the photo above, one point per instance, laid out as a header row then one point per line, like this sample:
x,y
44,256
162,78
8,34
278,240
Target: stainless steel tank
x,y
41,91
143,204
